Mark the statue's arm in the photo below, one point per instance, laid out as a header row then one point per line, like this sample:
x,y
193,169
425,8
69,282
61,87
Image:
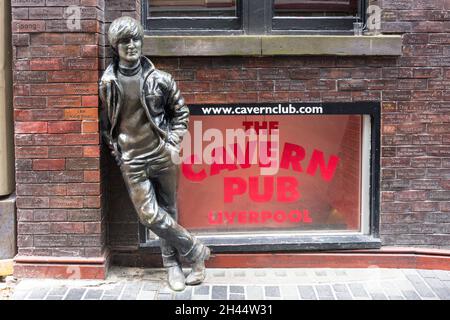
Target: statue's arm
x,y
105,125
179,115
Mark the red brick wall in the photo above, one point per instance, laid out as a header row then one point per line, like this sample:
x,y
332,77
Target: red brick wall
x,y
416,126
56,70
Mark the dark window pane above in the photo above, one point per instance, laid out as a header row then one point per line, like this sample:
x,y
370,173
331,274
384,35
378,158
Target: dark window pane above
x,y
315,8
233,17
192,8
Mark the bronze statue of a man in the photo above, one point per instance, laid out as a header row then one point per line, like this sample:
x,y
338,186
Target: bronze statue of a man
x,y
144,118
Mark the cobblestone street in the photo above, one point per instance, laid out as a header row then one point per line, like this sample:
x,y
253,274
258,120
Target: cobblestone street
x,y
249,284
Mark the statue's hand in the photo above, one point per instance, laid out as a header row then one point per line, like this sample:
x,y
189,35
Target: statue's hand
x,y
105,82
103,86
116,154
174,153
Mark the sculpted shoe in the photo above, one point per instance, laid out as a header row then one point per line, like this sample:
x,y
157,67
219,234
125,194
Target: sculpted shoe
x,y
175,277
198,273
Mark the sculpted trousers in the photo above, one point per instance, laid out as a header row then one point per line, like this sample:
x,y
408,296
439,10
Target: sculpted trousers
x,y
153,193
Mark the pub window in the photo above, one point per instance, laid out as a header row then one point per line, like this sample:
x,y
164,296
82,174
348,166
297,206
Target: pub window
x,y
251,17
319,191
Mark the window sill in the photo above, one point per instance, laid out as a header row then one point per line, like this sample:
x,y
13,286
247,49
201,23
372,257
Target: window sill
x,y
179,46
293,242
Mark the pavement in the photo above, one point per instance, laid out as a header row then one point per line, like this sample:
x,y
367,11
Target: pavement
x,y
247,284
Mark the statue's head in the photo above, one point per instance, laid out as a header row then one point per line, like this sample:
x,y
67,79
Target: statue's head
x,y
125,36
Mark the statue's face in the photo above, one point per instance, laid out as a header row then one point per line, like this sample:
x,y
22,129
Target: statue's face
x,y
129,50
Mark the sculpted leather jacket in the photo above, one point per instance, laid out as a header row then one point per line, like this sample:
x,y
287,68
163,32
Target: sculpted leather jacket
x,y
163,103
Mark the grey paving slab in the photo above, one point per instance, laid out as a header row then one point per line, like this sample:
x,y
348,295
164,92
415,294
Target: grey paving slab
x,y
446,282
115,291
272,291
411,295
132,288
38,293
49,297
340,288
391,290
378,296
421,287
307,292
93,294
375,291
439,288
357,290
410,271
164,296
20,295
219,292
165,290
202,290
112,293
129,296
150,286
393,297
58,291
289,292
403,284
186,294
343,296
427,273
324,292
341,291
257,284
75,294
146,295
120,285
255,293
442,275
237,289
200,297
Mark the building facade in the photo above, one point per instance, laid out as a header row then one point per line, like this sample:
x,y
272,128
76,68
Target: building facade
x,y
392,92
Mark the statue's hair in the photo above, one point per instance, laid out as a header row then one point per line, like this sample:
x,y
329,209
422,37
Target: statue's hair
x,y
124,27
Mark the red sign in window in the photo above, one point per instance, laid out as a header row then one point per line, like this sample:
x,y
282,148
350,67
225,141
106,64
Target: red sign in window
x,y
315,184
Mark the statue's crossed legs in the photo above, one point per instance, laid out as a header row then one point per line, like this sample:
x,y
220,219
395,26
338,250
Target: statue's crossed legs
x,y
153,191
